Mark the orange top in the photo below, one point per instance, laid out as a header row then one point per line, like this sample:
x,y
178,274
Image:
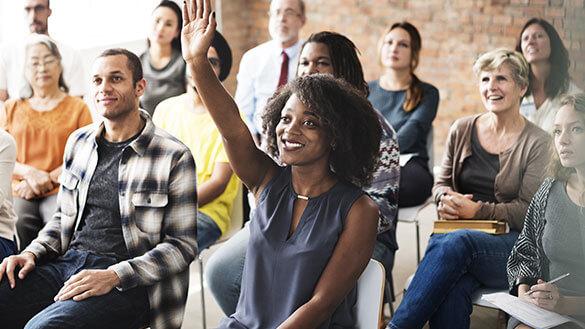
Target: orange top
x,y
41,135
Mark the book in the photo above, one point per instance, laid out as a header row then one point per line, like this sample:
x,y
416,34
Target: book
x,y
487,226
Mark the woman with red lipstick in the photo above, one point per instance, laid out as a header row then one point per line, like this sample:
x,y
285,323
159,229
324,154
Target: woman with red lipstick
x,y
491,168
313,230
162,63
40,122
553,239
409,105
549,63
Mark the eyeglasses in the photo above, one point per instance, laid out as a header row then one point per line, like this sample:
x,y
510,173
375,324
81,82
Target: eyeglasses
x,y
287,13
48,62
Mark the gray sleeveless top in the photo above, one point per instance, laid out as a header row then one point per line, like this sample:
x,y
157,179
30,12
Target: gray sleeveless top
x,y
280,274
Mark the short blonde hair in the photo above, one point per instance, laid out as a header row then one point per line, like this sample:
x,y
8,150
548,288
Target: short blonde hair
x,y
493,60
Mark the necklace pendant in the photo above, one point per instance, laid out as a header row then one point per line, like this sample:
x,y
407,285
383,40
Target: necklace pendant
x,y
303,197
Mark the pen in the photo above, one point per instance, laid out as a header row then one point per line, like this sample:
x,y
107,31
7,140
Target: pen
x,y
529,292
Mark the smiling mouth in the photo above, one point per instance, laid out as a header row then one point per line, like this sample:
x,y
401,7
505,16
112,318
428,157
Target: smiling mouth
x,y
291,145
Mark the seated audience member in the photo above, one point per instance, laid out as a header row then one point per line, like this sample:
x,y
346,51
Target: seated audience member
x,y
313,230
492,167
410,105
40,122
549,63
186,118
7,215
270,65
117,252
332,53
552,241
162,63
12,56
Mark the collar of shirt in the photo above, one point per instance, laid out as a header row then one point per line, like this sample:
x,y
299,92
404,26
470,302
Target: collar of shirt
x,y
141,142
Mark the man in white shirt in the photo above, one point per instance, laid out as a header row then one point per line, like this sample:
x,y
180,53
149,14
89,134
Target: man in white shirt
x,y
265,68
12,79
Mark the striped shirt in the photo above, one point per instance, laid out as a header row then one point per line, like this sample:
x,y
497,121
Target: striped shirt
x,y
158,211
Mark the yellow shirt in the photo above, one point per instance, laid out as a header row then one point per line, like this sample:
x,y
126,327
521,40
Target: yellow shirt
x,y
199,133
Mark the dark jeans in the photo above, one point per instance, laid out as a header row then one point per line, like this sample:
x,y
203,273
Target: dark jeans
x,y
31,304
7,248
454,266
416,183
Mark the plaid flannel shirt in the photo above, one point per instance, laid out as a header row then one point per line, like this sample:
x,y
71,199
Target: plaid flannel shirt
x,y
158,209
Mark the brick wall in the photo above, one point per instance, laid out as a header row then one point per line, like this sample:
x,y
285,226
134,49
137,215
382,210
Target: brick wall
x,y
454,32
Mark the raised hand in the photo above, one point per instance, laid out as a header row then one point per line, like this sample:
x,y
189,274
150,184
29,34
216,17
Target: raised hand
x,y
198,28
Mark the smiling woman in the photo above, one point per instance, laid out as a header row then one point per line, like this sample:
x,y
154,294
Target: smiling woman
x,y
312,207
491,168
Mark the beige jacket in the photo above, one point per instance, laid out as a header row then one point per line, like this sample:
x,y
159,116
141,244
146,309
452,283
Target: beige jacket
x,y
521,171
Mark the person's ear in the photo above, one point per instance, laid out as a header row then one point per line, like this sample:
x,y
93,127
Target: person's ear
x,y
140,87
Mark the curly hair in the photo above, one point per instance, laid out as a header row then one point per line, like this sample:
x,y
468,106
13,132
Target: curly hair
x,y
344,58
345,114
555,168
558,80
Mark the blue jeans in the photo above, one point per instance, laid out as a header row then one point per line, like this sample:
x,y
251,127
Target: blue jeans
x,y
7,248
207,231
454,265
224,269
31,302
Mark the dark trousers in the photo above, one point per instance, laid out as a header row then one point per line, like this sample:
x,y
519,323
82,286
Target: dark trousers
x,y
416,183
30,304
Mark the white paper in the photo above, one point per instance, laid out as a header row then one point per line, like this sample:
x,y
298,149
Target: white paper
x,y
527,313
404,158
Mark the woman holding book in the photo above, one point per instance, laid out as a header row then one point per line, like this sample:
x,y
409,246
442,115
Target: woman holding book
x,y
492,167
553,239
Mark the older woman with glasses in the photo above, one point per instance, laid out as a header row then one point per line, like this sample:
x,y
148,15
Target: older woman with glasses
x,y
40,122
492,167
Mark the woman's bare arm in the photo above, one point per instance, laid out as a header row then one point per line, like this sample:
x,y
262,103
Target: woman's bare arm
x,y
252,165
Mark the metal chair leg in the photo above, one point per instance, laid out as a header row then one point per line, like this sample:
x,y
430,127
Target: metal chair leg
x,y
417,243
203,318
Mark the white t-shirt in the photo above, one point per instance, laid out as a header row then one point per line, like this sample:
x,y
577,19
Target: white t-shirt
x,y
7,159
12,79
544,116
258,78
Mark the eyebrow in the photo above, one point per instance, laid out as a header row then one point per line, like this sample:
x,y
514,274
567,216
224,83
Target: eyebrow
x,y
109,73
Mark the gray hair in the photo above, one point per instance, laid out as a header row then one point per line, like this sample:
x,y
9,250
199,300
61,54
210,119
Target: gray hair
x,y
493,60
42,39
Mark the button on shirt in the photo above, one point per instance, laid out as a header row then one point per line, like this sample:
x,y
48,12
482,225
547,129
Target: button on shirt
x,y
258,78
158,211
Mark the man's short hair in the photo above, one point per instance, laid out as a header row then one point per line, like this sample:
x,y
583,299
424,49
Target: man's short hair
x,y
133,62
302,7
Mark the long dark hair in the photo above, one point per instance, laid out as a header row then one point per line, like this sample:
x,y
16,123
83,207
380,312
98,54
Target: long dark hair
x,y
176,42
414,92
558,80
344,58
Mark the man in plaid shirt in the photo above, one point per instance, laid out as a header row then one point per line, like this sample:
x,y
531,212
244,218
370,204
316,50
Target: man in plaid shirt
x,y
116,253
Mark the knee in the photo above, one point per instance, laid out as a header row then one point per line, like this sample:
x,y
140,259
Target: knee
x,y
216,269
456,244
